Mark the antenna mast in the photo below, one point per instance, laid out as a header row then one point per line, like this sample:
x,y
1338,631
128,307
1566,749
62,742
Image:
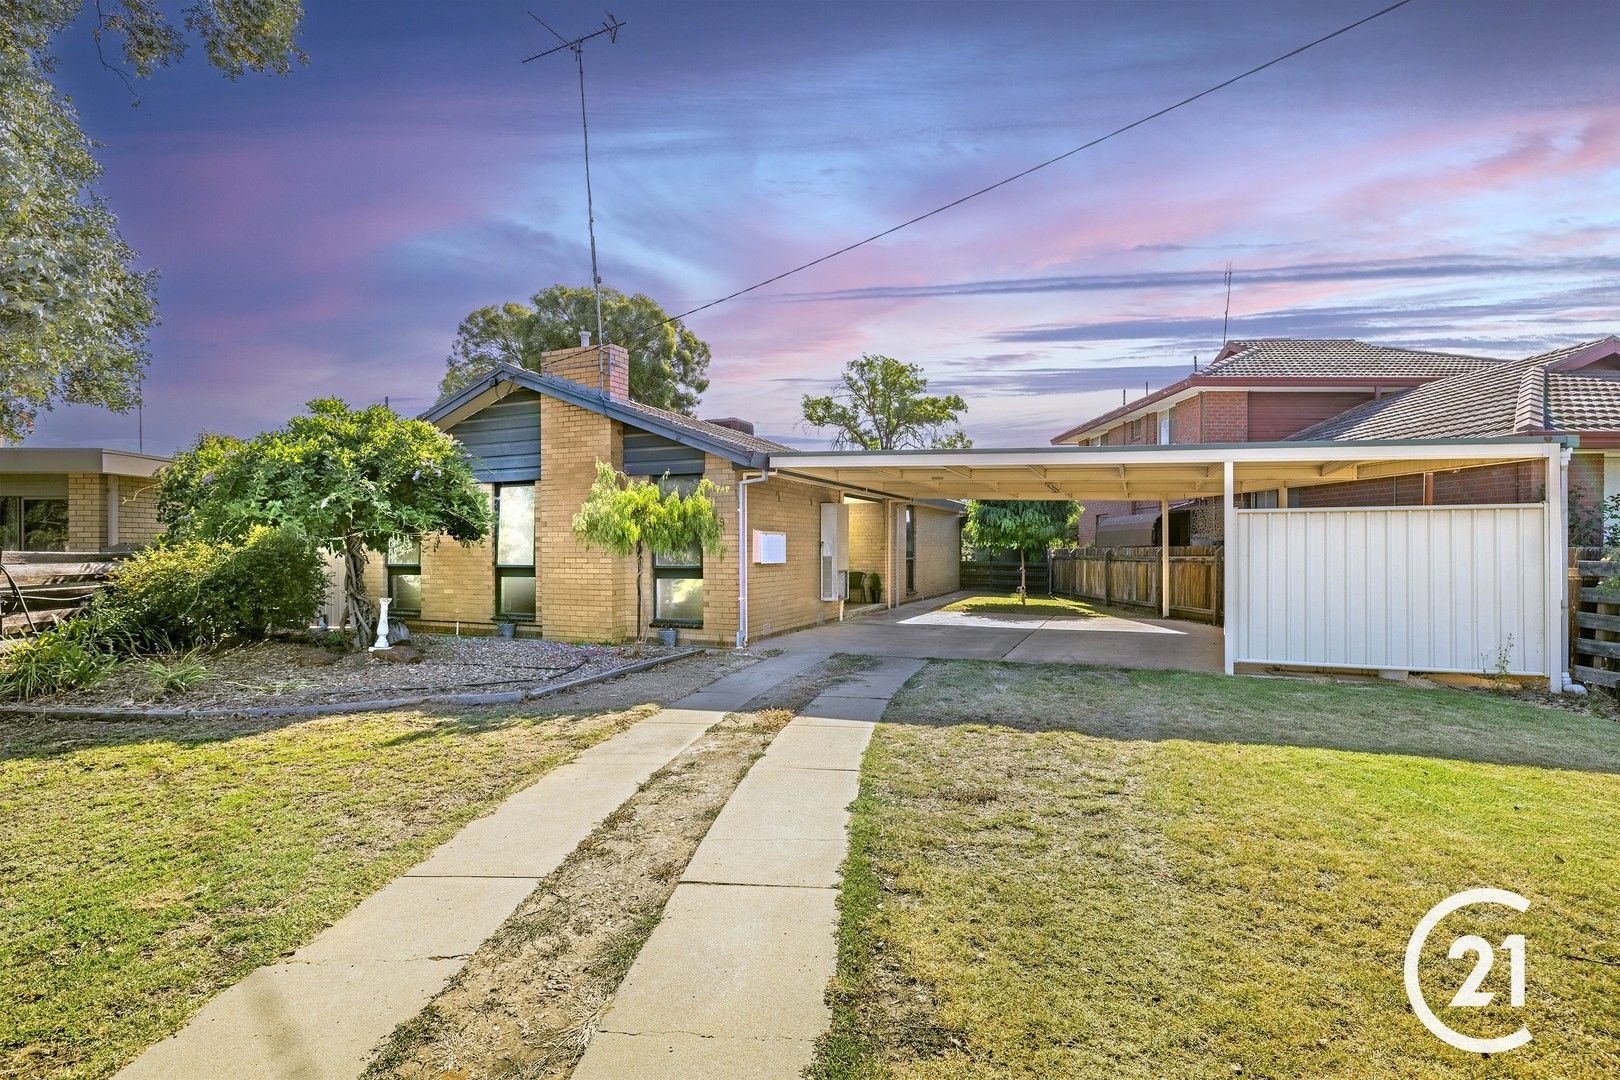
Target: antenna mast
x,y
611,28
1227,314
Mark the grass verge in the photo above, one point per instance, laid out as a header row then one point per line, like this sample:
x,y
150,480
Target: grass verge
x,y
1057,871
146,866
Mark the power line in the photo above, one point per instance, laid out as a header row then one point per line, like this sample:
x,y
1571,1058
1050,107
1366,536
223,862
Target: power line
x,y
1032,169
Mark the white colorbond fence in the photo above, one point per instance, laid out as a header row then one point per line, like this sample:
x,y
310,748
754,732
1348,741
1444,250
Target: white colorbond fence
x,y
1424,588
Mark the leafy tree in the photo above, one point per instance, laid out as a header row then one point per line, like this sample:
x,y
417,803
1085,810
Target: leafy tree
x,y
667,361
1024,526
74,310
882,404
352,480
625,515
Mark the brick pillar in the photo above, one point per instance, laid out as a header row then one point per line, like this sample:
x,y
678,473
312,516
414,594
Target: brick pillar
x,y
580,590
87,512
583,365
720,584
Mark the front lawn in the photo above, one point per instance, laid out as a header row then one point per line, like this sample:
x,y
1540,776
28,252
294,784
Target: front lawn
x,y
1045,607
1064,872
145,866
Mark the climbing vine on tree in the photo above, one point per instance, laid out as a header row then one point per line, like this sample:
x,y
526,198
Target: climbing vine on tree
x,y
351,479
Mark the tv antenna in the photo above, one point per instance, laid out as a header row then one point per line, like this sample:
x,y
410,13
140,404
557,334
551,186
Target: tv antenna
x,y
1227,314
611,28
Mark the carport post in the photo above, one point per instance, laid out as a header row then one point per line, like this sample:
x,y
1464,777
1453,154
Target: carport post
x,y
1164,557
1229,567
1557,511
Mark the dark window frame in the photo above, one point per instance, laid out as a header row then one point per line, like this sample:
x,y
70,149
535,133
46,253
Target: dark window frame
x,y
393,570
504,571
672,570
911,550
18,505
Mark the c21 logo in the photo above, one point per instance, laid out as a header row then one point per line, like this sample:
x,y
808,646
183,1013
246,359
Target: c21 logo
x,y
1469,995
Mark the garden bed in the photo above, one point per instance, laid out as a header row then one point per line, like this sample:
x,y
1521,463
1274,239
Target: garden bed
x,y
288,673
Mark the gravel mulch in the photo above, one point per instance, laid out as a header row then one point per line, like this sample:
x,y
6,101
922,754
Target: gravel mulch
x,y
278,673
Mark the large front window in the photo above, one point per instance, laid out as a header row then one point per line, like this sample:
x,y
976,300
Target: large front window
x,y
678,578
404,561
911,549
33,524
514,551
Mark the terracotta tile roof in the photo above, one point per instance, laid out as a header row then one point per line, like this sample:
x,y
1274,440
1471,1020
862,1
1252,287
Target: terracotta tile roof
x,y
1507,398
1337,358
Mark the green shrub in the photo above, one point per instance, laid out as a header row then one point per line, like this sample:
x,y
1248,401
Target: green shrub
x,y
65,657
175,598
194,594
179,675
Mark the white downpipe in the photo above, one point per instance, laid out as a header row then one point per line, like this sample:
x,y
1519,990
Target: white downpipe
x,y
743,554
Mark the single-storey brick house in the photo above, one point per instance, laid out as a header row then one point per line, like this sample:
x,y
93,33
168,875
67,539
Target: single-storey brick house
x,y
1272,389
535,439
77,499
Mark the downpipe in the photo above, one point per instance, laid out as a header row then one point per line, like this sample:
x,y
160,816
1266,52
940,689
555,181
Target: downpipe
x,y
743,555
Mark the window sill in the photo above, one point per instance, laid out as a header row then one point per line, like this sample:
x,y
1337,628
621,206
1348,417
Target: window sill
x,y
671,624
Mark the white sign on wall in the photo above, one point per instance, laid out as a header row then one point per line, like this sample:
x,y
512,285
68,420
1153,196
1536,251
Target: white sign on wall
x,y
770,547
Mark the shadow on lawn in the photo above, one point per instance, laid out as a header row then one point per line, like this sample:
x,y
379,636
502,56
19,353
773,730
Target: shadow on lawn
x,y
1157,706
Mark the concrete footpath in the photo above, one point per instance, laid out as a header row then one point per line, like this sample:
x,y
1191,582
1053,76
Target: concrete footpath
x,y
321,1013
732,982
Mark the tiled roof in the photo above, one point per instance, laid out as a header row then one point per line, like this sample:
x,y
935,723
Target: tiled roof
x,y
1304,359
1507,398
740,439
1337,358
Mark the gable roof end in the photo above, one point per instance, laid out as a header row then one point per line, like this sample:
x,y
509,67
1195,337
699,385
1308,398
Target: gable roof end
x,y
735,446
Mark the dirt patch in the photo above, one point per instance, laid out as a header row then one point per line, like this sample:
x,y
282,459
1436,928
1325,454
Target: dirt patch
x,y
293,673
528,1002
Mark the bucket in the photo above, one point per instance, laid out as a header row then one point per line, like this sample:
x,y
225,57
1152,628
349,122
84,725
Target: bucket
x,y
506,629
666,635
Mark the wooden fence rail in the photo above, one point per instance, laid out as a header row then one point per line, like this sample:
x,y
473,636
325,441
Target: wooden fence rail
x,y
1130,577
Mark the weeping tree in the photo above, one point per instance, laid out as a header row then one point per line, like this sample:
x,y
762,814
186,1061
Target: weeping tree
x,y
352,480
626,515
1025,526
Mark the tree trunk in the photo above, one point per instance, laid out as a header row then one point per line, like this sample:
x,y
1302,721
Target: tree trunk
x,y
641,560
358,608
1023,581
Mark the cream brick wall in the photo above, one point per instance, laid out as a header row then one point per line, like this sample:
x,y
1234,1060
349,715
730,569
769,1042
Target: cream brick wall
x,y
581,591
787,596
87,511
137,511
939,552
866,548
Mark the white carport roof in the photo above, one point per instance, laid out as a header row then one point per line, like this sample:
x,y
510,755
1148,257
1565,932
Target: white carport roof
x,y
1146,472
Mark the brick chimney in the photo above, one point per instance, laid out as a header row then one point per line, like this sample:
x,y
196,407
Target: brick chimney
x,y
581,365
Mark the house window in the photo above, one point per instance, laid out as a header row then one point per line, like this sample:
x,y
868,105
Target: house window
x,y
678,579
514,551
33,524
404,562
911,549
1164,428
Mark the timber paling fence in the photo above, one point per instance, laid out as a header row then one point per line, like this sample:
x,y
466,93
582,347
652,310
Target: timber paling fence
x,y
1001,575
1129,577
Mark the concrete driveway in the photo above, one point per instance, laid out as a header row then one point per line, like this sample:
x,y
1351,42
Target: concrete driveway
x,y
922,630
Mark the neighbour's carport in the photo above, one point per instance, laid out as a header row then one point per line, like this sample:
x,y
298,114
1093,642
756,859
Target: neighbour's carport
x,y
1382,588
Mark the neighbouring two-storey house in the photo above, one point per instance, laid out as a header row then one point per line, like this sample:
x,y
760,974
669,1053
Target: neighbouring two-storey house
x,y
1272,390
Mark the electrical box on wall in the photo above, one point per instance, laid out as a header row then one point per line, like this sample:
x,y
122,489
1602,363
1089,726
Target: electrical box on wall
x,y
770,547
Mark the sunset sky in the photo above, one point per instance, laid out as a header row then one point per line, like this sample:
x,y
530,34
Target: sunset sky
x,y
1445,177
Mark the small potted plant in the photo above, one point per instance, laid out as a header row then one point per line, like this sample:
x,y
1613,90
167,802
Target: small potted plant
x,y
874,588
